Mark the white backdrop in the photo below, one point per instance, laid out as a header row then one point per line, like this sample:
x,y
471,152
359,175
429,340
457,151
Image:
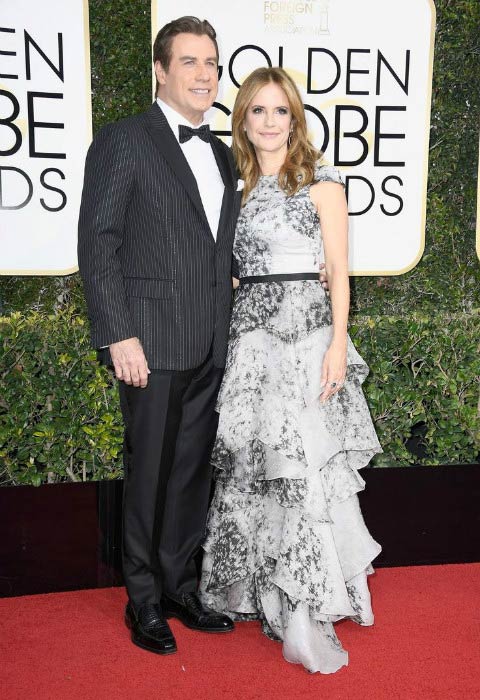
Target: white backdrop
x,y
45,129
364,69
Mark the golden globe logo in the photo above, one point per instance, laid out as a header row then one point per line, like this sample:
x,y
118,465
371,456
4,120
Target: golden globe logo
x,y
45,130
364,71
16,185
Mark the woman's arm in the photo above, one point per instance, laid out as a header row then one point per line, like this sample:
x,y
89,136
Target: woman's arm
x,y
329,199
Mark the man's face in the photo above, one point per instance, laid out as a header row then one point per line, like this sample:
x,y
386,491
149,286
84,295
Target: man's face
x,y
191,83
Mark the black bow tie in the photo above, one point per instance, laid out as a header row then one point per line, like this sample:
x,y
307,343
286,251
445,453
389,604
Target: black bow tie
x,y
185,133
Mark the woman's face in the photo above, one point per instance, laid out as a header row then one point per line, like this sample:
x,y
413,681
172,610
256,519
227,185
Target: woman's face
x,y
268,119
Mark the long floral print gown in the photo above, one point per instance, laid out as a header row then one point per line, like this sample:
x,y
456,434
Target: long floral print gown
x,y
286,542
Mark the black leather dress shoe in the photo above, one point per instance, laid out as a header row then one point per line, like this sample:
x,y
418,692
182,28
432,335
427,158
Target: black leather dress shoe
x,y
149,628
195,615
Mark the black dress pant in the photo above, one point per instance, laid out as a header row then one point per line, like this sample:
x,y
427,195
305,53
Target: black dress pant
x,y
170,428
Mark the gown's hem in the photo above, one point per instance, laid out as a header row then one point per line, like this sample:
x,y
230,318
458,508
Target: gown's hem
x,y
319,616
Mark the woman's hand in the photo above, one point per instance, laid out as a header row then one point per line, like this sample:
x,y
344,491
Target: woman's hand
x,y
235,282
334,369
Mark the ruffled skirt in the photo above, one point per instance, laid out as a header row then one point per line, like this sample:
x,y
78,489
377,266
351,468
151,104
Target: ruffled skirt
x,y
286,542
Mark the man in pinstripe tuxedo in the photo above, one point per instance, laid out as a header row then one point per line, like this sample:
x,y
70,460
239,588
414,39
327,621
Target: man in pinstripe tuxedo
x,y
156,231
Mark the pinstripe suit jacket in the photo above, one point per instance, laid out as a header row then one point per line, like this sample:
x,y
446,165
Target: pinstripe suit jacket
x,y
150,265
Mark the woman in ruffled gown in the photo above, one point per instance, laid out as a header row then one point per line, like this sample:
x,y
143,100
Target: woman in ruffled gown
x,y
286,542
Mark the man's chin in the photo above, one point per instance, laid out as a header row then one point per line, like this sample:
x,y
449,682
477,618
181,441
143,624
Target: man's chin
x,y
202,106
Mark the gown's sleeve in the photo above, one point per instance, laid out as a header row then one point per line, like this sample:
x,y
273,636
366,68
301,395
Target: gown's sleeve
x,y
328,173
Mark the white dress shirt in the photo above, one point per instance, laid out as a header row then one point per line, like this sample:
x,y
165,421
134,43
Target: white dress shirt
x,y
203,165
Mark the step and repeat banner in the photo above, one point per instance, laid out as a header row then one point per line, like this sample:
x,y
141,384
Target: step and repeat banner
x,y
365,73
364,70
45,130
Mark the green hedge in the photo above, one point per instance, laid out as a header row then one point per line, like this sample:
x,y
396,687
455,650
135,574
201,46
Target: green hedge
x,y
59,417
58,410
423,386
418,332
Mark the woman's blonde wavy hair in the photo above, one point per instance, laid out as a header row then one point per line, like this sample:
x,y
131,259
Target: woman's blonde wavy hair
x,y
299,166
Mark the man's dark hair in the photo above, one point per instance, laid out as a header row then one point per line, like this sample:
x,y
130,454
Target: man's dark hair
x,y
162,47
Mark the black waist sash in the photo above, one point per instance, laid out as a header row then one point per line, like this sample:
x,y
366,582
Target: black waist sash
x,y
292,277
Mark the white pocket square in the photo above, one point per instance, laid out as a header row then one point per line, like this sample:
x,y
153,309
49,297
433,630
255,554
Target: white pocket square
x,y
240,185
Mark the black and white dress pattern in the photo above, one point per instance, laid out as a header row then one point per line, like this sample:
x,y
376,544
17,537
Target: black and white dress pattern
x,y
286,542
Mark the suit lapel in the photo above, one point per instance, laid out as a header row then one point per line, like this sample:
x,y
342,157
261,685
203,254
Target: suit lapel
x,y
222,161
228,180
166,142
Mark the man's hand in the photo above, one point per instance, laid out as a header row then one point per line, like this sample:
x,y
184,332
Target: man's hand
x,y
323,277
130,362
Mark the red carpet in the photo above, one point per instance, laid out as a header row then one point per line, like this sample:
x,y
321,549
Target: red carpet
x,y
425,644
